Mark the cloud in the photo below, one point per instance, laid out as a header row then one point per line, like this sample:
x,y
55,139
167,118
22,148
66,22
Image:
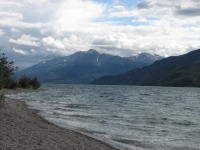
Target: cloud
x,y
33,51
83,12
14,30
116,1
113,41
12,19
65,45
140,20
25,40
190,12
10,16
52,31
144,5
117,8
1,32
51,44
21,14
156,8
28,52
5,3
19,51
44,29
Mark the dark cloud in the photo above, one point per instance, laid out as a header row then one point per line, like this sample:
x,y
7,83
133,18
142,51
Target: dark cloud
x,y
143,5
192,12
24,61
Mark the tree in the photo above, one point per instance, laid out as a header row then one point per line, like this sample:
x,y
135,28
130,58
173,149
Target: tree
x,y
6,70
34,83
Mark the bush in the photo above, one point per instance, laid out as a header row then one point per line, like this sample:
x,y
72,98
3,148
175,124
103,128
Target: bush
x,y
27,82
11,84
24,82
34,83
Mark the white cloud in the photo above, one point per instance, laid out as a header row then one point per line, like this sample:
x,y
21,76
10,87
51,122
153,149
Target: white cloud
x,y
162,9
6,3
12,19
140,20
20,51
114,41
1,32
25,40
6,16
65,45
14,30
38,2
51,44
75,13
33,51
49,28
52,31
117,8
30,52
116,1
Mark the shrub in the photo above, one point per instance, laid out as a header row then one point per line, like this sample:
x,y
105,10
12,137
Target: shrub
x,y
34,83
24,82
11,84
27,82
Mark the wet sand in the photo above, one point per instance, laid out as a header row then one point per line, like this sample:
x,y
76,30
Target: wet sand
x,y
22,128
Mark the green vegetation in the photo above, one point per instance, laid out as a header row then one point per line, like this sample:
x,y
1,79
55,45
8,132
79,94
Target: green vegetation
x,y
11,84
7,69
23,82
186,76
176,71
28,82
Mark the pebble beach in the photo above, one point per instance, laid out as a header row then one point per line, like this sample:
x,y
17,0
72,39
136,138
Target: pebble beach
x,y
22,128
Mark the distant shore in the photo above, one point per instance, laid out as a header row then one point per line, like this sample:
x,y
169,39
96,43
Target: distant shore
x,y
22,128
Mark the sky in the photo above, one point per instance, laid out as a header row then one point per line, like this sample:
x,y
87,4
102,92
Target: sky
x,y
36,30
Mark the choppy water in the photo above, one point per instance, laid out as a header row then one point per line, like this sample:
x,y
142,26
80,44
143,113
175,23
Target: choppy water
x,y
131,117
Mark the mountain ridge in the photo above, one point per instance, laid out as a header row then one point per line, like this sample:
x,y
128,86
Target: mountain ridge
x,y
81,67
146,58
159,73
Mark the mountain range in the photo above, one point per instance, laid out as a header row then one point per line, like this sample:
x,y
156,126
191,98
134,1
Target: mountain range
x,y
145,58
86,66
179,71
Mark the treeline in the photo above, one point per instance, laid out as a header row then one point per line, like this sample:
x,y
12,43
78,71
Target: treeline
x,y
23,82
7,69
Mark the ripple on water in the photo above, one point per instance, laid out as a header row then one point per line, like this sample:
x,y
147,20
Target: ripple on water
x,y
152,118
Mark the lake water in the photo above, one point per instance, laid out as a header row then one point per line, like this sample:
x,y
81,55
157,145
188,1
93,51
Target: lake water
x,y
128,117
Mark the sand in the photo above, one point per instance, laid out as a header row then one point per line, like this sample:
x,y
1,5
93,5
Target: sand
x,y
22,128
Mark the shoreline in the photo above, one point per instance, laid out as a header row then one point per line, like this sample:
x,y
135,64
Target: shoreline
x,y
23,128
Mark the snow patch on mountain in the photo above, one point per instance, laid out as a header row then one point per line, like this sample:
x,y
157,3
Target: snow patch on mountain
x,y
98,61
145,58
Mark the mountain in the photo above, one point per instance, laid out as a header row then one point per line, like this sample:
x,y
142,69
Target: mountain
x,y
145,58
181,71
81,67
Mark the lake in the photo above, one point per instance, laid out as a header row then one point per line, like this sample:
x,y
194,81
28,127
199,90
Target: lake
x,y
128,117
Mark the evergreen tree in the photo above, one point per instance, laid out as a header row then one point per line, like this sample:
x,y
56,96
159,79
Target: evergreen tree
x,y
6,70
